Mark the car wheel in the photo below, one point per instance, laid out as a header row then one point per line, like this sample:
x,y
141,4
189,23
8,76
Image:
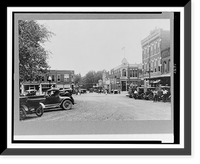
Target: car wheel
x,y
39,111
67,104
22,113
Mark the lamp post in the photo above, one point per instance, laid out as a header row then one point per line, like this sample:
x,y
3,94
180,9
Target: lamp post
x,y
49,79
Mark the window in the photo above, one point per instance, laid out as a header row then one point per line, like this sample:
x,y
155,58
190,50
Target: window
x,y
53,78
155,48
155,66
151,49
158,46
42,78
123,72
164,67
58,77
169,66
134,73
66,77
131,73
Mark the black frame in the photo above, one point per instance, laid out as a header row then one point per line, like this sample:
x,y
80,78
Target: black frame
x,y
125,151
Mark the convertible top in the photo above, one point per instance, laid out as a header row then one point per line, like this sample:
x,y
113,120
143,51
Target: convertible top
x,y
53,89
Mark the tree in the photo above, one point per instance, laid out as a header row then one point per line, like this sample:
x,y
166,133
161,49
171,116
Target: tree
x,y
32,56
77,79
91,78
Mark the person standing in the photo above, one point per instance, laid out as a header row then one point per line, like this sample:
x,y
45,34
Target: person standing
x,y
156,95
164,95
135,94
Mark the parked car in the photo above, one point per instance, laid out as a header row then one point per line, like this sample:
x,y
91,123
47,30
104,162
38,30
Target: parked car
x,y
53,99
83,90
30,105
140,93
39,104
30,92
148,95
116,91
66,92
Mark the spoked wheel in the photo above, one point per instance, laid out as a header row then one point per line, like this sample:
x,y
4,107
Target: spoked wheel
x,y
22,113
67,104
150,97
39,111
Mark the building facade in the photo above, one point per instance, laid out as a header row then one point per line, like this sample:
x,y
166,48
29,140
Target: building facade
x,y
123,75
154,46
54,78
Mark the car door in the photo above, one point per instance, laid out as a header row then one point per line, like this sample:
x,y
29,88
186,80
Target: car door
x,y
52,99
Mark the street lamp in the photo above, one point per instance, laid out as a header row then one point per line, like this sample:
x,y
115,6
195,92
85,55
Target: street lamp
x,y
49,79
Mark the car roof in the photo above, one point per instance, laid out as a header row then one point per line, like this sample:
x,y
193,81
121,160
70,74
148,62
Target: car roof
x,y
53,89
31,90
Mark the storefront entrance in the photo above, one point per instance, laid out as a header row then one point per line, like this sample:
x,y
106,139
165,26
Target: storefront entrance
x,y
123,85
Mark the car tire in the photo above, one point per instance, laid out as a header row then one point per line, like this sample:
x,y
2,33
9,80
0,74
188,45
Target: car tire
x,y
22,113
39,111
66,105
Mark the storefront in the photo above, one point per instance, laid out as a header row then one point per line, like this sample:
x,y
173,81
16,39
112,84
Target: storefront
x,y
163,80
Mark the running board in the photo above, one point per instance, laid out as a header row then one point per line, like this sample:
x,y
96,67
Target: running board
x,y
52,106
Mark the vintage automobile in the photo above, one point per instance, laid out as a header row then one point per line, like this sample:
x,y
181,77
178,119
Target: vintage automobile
x,y
140,93
30,92
54,100
39,104
29,105
148,95
66,92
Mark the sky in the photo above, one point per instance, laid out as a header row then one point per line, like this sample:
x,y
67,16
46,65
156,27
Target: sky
x,y
85,45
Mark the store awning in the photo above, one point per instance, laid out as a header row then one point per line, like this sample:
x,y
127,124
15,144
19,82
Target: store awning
x,y
157,81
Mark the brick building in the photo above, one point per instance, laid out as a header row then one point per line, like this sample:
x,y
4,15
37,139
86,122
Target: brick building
x,y
122,76
54,78
156,43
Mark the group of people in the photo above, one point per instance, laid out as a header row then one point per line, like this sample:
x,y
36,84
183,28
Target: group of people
x,y
158,93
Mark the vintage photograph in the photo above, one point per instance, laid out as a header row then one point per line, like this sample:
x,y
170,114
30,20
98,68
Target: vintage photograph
x,y
88,70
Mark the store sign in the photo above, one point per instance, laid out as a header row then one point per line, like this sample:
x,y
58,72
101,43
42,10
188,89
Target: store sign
x,y
165,54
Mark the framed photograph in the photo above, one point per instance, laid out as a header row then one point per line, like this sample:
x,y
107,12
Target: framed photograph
x,y
98,80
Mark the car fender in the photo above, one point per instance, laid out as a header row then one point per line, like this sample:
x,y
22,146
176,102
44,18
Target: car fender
x,y
25,107
43,106
66,98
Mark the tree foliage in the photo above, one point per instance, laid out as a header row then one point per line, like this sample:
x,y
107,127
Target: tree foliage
x,y
32,56
77,79
91,78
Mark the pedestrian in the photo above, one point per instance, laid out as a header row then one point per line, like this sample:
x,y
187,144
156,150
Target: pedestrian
x,y
155,96
164,95
135,93
105,91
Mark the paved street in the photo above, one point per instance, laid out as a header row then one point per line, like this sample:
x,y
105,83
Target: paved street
x,y
110,107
